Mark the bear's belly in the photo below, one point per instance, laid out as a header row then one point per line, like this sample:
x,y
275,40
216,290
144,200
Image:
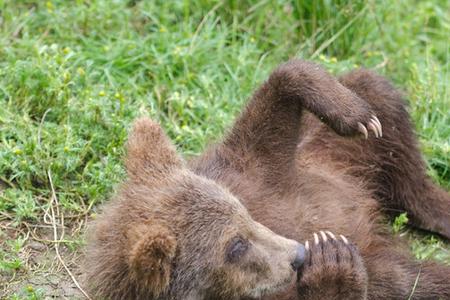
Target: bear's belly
x,y
319,202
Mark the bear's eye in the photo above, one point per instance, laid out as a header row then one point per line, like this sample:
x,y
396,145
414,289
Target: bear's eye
x,y
237,248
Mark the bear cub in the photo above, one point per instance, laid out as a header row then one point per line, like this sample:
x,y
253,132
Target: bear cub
x,y
291,204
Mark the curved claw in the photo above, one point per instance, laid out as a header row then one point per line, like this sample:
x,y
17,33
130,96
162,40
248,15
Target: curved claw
x,y
378,125
363,130
316,239
344,239
376,119
372,127
324,236
331,234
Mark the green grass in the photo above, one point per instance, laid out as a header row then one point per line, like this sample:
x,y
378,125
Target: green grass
x,y
74,74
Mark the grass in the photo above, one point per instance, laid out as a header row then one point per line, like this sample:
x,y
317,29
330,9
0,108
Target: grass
x,y
74,74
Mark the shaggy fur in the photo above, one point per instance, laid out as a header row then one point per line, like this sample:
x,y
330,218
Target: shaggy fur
x,y
171,234
298,160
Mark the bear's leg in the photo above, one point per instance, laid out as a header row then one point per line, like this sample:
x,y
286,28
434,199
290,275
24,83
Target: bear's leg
x,y
264,139
393,275
393,164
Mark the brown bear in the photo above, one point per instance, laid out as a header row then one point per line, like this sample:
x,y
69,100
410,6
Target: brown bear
x,y
311,158
171,234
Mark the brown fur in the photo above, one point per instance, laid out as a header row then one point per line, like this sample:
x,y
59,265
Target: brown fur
x,y
169,234
296,161
152,249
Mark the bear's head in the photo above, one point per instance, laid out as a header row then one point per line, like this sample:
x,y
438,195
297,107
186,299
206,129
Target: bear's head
x,y
171,234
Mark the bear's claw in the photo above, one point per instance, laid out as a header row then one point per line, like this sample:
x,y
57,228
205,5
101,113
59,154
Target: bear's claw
x,y
363,130
344,239
331,234
332,266
324,235
374,125
316,239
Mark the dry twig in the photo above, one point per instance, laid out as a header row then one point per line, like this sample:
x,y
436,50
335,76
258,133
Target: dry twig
x,y
54,201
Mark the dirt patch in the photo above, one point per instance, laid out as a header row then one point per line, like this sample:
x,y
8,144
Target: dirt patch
x,y
40,273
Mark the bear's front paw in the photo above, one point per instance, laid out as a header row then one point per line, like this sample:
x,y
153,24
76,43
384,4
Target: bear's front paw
x,y
333,270
372,124
354,118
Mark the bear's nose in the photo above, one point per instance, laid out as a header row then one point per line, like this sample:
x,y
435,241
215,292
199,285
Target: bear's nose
x,y
299,257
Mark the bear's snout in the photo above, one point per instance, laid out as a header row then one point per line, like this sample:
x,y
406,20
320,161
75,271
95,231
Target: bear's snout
x,y
299,257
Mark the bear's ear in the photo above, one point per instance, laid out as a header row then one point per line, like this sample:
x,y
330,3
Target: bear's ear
x,y
152,249
150,153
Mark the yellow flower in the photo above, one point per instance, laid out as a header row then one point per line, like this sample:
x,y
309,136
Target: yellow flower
x,y
17,151
66,76
81,71
49,5
119,96
101,93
